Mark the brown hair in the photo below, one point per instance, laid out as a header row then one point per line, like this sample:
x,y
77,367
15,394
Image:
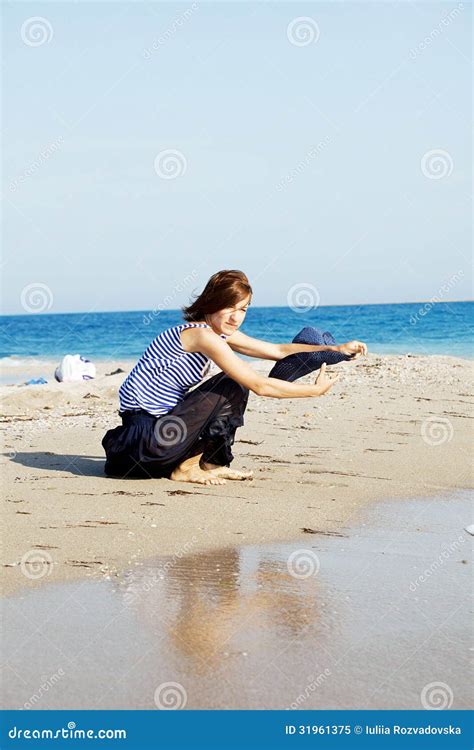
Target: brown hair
x,y
224,289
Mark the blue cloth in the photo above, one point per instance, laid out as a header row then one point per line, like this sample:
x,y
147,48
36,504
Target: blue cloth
x,y
36,381
294,366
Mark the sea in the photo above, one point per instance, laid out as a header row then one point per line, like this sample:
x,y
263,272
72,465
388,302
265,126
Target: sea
x,y
423,328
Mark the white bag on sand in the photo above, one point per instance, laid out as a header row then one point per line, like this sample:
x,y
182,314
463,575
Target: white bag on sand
x,y
74,367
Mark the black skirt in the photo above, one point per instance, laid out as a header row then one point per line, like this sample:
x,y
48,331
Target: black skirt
x,y
205,421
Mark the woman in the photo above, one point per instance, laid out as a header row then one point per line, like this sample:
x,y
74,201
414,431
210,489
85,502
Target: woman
x,y
170,431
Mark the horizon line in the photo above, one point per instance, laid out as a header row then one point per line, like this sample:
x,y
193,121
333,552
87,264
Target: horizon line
x,y
279,307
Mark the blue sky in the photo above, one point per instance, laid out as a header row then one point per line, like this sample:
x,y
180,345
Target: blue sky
x,y
332,151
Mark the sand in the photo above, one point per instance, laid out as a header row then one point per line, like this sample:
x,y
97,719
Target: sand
x,y
262,627
393,427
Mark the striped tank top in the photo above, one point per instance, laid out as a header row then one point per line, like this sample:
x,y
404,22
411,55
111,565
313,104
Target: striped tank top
x,y
164,373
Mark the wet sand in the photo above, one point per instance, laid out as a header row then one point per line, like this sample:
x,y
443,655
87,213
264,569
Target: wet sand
x,y
394,426
375,616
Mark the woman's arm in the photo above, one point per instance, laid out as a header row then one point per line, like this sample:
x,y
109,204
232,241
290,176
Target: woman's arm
x,y
243,344
209,343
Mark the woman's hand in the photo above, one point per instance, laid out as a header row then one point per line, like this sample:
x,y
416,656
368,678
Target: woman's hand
x,y
353,349
323,382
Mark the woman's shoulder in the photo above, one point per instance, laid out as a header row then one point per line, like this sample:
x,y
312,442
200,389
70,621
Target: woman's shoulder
x,y
166,341
189,333
190,330
175,331
192,335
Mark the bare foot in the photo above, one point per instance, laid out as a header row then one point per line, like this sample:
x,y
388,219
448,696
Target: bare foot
x,y
226,473
195,474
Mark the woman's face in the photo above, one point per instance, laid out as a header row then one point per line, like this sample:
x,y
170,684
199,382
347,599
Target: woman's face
x,y
227,321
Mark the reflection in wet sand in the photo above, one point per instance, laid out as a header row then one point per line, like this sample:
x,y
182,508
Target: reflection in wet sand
x,y
204,599
365,627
